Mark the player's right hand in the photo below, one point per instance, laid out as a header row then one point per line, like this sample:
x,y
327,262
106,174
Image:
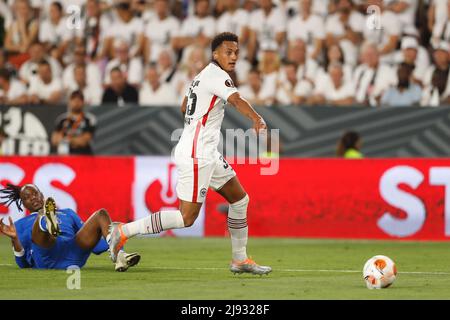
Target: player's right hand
x,y
259,125
10,230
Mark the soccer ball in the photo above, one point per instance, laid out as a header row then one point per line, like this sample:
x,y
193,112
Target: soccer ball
x,y
379,272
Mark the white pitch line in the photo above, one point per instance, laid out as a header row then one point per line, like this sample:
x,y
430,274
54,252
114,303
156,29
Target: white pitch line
x,y
420,272
302,270
285,270
357,271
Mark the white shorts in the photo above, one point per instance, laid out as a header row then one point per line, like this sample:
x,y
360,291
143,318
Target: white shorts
x,y
195,176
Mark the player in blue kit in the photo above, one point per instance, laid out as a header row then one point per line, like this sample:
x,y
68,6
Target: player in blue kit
x,y
52,238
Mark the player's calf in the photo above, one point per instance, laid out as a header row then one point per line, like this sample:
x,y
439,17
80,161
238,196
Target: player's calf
x,y
189,219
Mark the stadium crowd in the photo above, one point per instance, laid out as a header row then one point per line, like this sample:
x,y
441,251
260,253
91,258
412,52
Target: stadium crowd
x,y
293,52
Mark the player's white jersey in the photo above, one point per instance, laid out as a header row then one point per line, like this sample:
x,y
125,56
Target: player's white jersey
x,y
206,99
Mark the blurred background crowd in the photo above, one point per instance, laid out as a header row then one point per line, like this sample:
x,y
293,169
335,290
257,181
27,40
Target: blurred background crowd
x,y
292,52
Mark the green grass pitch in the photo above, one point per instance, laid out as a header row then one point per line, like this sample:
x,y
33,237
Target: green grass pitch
x,y
187,268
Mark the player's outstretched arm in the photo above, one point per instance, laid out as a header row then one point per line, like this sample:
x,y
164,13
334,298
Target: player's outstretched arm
x,y
247,110
10,231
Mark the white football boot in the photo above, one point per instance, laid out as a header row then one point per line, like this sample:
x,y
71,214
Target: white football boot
x,y
126,260
116,240
249,266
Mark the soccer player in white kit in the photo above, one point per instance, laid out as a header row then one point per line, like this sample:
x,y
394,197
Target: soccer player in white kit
x,y
200,166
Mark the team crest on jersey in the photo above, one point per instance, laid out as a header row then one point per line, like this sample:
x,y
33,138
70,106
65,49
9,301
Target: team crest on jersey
x,y
203,192
229,83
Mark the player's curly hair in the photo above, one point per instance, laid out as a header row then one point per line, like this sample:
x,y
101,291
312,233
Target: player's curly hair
x,y
12,194
221,37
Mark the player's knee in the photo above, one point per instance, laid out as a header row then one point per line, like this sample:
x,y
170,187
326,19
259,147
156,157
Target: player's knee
x,y
238,209
102,213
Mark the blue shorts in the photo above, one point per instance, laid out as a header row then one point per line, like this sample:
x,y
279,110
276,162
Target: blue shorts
x,y
63,254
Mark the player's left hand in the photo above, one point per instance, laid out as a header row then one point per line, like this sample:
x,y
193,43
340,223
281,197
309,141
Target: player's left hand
x,y
10,230
259,125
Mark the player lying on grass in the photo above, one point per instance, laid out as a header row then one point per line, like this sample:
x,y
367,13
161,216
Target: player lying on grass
x,y
200,165
51,238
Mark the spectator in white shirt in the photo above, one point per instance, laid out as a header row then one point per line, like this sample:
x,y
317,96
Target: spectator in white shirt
x,y
309,28
321,8
437,77
384,31
54,33
29,69
345,28
93,31
372,78
131,67
23,30
404,9
335,54
94,77
144,9
42,7
12,91
166,66
333,90
126,27
439,21
159,31
437,13
269,66
413,54
156,93
307,69
267,28
92,94
241,70
45,89
196,31
287,84
254,92
235,20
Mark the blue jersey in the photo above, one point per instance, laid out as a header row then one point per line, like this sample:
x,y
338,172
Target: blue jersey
x,y
64,253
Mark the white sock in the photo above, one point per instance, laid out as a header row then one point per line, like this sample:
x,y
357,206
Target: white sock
x,y
42,224
154,223
238,228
